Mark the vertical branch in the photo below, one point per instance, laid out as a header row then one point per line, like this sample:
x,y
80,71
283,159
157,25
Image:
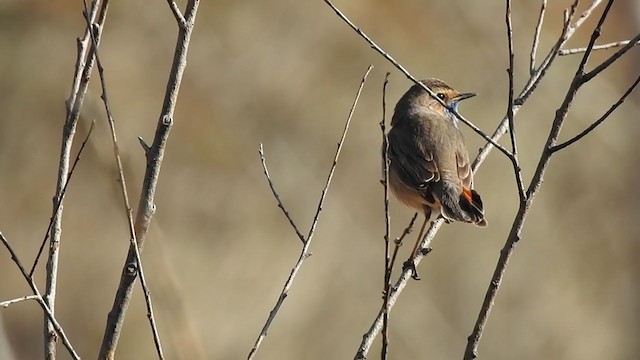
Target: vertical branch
x,y
536,38
512,131
84,64
304,253
146,208
123,187
388,269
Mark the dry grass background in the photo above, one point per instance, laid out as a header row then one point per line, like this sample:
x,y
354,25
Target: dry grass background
x,y
284,73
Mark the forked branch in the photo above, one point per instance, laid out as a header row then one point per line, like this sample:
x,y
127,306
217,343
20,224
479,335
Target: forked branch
x,y
306,242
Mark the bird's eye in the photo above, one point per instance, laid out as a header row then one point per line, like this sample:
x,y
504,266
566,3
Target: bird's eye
x,y
441,96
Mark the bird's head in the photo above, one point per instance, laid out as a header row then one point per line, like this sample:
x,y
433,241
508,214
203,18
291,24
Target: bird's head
x,y
417,99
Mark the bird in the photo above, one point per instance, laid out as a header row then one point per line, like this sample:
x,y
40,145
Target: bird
x,y
429,167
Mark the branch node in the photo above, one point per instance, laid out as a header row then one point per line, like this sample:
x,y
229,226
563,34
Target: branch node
x,y
144,145
132,269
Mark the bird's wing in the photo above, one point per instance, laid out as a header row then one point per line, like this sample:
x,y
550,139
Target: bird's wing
x,y
412,159
464,167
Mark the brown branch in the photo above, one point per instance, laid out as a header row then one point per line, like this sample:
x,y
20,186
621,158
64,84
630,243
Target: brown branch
x,y
605,64
146,208
277,196
304,253
82,74
512,131
600,120
47,310
564,52
388,267
398,241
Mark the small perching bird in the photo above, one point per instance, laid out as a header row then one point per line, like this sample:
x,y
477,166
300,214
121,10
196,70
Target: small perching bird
x,y
429,166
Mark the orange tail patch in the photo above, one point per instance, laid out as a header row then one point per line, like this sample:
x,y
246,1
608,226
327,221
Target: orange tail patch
x,y
471,203
466,192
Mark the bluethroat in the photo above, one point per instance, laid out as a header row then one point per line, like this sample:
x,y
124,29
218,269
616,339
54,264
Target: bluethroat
x,y
429,166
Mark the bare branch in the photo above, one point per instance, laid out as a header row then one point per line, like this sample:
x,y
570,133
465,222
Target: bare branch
x,y
337,155
275,195
82,74
388,268
146,206
304,253
512,130
599,121
536,38
5,304
123,188
48,312
398,241
396,290
565,52
605,64
177,14
585,15
567,31
62,193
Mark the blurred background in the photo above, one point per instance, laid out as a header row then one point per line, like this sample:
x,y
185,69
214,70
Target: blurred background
x,y
284,73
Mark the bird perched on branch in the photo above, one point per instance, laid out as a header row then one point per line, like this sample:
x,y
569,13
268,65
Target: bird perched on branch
x,y
429,166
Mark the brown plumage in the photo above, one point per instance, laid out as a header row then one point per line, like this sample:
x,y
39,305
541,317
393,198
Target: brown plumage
x,y
429,165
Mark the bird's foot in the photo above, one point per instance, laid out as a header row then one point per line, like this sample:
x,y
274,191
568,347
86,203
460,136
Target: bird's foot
x,y
409,264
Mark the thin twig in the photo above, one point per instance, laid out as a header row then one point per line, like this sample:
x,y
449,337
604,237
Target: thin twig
x,y
471,351
534,80
512,131
585,15
277,197
146,207
398,241
387,221
5,304
62,193
568,29
564,52
412,78
177,14
605,64
599,121
536,38
395,291
47,310
82,74
123,187
304,253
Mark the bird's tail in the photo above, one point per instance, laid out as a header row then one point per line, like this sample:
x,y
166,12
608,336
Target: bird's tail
x,y
462,205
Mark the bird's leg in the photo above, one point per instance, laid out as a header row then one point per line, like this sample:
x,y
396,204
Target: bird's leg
x,y
410,263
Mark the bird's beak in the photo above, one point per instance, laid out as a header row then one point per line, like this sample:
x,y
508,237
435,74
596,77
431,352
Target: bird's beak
x,y
464,96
